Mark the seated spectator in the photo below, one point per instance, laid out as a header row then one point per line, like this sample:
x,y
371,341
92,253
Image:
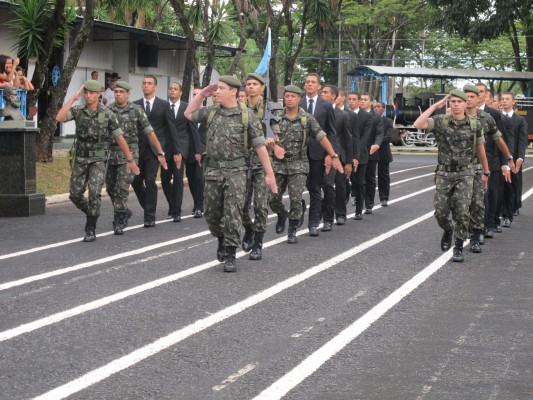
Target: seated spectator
x,y
22,82
7,70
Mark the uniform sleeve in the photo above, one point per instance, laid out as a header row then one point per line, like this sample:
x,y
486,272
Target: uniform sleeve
x,y
256,136
71,114
480,137
315,131
114,126
431,125
201,114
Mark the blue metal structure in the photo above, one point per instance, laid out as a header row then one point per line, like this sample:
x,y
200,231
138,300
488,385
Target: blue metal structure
x,y
22,97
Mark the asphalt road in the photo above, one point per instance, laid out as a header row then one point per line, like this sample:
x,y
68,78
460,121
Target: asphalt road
x,y
372,310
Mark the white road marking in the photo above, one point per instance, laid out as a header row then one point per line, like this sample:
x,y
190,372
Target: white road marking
x,y
165,342
60,316
312,363
411,169
301,332
357,295
234,377
411,179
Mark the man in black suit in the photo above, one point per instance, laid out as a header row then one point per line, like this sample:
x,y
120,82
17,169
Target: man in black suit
x,y
345,140
353,106
322,111
190,145
158,113
385,156
371,136
516,132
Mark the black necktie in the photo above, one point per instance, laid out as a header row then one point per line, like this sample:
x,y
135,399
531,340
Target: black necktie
x,y
310,108
147,109
173,110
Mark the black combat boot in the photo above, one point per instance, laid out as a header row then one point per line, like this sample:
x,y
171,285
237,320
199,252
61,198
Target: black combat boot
x,y
115,220
475,246
127,219
229,262
446,241
90,227
221,250
280,224
293,226
481,237
257,248
120,223
248,239
304,209
458,251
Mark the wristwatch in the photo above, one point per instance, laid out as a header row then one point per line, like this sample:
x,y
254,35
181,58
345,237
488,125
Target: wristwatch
x,y
486,174
161,154
335,155
510,158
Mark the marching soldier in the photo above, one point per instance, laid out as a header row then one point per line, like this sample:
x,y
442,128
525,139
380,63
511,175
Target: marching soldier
x,y
458,137
134,123
231,130
95,126
296,127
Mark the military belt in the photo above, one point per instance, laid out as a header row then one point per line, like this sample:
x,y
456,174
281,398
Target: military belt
x,y
91,153
290,159
257,160
239,162
454,168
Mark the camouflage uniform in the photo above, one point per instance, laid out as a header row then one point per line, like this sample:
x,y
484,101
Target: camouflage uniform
x,y
225,174
477,207
94,130
256,185
454,176
133,121
291,171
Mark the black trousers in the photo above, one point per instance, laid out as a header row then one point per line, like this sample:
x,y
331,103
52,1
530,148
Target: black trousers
x,y
509,198
144,184
172,183
340,194
383,180
370,178
517,183
195,177
493,199
317,181
359,187
328,202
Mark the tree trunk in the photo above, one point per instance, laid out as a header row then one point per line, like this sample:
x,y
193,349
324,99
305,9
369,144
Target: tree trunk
x,y
48,124
241,11
210,46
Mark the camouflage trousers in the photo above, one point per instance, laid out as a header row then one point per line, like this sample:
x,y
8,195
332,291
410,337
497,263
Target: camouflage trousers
x,y
90,176
223,204
296,185
118,181
477,206
453,194
257,188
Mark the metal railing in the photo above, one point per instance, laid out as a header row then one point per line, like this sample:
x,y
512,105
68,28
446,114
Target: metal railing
x,y
22,97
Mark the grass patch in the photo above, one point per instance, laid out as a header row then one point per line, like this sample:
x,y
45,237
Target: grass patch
x,y
54,177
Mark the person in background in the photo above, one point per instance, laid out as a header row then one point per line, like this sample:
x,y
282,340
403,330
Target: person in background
x,y
23,82
8,70
242,96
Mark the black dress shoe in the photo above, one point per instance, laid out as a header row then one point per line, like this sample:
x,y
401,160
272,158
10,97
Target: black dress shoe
x,y
198,214
169,214
489,233
326,227
368,211
358,217
341,220
149,224
313,231
384,203
516,213
176,218
498,229
506,223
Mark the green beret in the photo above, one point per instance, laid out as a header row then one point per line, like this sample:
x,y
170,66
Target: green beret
x,y
458,93
230,80
470,88
257,77
293,89
93,86
123,85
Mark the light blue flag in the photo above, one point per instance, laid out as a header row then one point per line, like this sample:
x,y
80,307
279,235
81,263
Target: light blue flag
x,y
262,68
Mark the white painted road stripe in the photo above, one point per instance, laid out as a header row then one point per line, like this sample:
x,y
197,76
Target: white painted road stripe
x,y
55,318
163,343
411,169
312,363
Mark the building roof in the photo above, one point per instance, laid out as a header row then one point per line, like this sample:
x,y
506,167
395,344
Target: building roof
x,y
442,73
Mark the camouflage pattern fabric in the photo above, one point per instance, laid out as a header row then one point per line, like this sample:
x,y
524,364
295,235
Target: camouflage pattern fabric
x,y
225,184
90,176
296,185
133,122
257,188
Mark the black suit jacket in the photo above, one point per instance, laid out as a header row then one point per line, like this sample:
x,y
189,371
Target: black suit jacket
x,y
495,157
370,132
323,113
187,133
162,122
344,135
518,128
385,154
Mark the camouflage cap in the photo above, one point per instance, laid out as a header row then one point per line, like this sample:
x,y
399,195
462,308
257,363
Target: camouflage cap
x,y
92,86
123,85
257,77
293,89
230,80
470,88
458,93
